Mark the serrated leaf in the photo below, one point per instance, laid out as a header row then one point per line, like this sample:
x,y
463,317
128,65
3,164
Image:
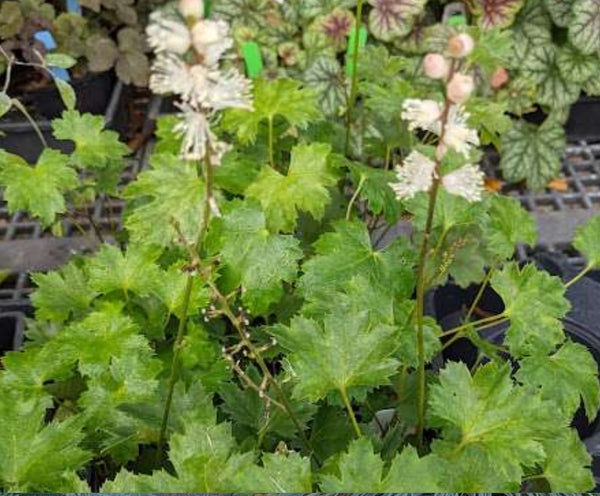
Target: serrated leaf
x,y
101,52
360,469
490,118
303,189
133,68
39,190
585,26
560,11
390,19
134,271
531,31
532,153
62,293
408,350
324,76
497,13
534,302
170,191
347,253
376,190
38,456
67,93
171,291
341,354
587,241
281,97
565,377
576,66
257,260
5,103
509,224
279,474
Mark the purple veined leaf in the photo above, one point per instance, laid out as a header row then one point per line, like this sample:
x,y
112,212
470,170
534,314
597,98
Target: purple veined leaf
x,y
584,31
337,26
497,13
393,18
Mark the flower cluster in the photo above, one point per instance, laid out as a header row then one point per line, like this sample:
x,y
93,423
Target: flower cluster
x,y
188,50
448,121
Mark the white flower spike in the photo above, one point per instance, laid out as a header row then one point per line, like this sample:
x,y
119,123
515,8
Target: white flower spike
x,y
457,134
466,182
422,114
191,8
414,175
211,40
167,35
195,130
170,75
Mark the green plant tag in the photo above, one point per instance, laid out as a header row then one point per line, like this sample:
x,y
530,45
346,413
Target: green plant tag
x,y
207,8
362,41
252,59
457,20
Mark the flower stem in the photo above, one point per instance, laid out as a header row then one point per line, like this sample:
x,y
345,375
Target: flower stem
x,y
579,276
484,284
363,178
346,399
271,143
492,319
354,85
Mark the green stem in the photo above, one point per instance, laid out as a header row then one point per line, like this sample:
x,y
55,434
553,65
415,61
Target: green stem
x,y
388,153
493,319
354,85
270,143
36,128
579,276
484,284
346,399
363,178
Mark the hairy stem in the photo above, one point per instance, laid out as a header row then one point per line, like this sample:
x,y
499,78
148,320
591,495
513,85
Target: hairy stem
x,y
579,276
484,284
346,399
354,85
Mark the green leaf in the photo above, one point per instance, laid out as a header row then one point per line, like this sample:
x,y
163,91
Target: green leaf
x,y
304,188
531,31
171,291
509,224
346,253
491,429
5,103
256,260
391,19
67,93
101,52
497,13
38,456
62,293
585,26
134,271
565,377
490,118
535,302
279,474
567,467
324,77
281,97
341,354
408,341
360,469
236,172
61,60
532,153
11,20
576,66
39,190
560,11
587,241
170,191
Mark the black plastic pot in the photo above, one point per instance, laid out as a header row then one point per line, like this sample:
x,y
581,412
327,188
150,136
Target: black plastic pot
x,y
97,94
447,304
12,327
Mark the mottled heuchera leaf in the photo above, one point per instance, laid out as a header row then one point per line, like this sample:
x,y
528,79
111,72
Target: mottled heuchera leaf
x,y
565,377
532,153
587,241
254,259
281,97
576,66
303,189
585,26
361,469
170,191
393,18
342,353
336,26
497,13
346,253
560,11
39,190
325,77
534,301
531,30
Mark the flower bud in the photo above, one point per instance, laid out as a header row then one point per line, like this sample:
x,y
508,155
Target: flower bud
x,y
191,8
499,78
460,45
436,66
460,88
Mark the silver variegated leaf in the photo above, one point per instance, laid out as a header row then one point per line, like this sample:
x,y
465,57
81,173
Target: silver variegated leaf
x,y
576,66
325,77
497,13
531,30
584,31
560,11
391,19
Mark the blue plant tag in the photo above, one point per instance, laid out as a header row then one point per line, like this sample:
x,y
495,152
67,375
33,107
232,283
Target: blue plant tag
x,y
73,6
45,38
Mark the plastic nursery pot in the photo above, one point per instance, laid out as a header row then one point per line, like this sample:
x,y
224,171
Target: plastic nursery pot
x,y
12,327
448,305
96,93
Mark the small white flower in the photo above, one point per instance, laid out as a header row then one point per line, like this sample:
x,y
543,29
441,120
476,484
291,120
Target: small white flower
x,y
414,176
167,35
423,114
466,182
191,8
230,90
456,133
195,129
170,75
211,40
